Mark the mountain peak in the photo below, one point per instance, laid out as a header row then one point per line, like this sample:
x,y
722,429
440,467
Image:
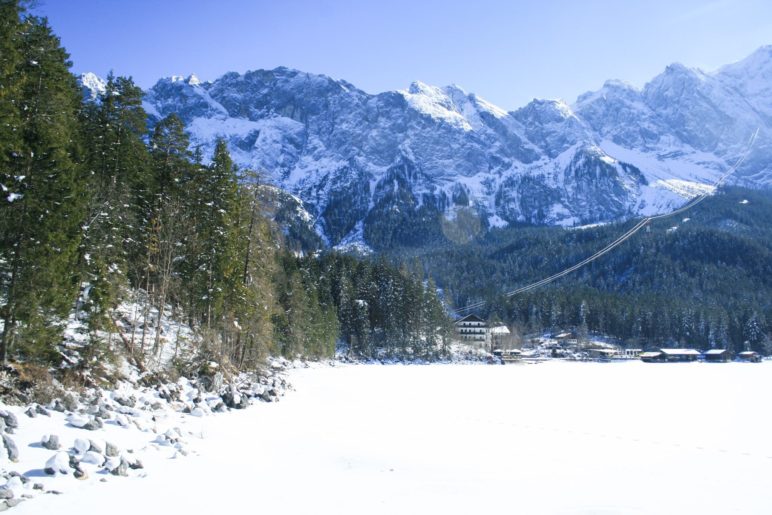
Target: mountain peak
x,y
92,85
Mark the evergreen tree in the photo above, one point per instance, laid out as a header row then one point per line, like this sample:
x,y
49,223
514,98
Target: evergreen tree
x,y
42,204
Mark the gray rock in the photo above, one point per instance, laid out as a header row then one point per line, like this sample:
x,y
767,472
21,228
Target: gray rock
x,y
6,493
122,469
4,506
111,450
10,447
94,424
129,402
30,412
51,442
12,503
96,446
41,410
70,402
10,419
37,486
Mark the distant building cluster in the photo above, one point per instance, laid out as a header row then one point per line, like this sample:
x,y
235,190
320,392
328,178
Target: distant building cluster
x,y
498,342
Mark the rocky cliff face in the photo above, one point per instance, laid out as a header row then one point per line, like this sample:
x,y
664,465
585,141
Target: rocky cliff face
x,y
398,167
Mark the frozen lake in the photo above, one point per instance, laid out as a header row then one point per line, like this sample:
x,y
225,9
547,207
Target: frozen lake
x,y
556,437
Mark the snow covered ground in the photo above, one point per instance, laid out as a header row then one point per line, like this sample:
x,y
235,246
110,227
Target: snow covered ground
x,y
556,437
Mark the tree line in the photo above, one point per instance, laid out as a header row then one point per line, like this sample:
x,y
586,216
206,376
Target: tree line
x,y
703,279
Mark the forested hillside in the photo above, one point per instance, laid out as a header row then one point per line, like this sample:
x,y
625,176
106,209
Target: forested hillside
x,y
703,278
95,206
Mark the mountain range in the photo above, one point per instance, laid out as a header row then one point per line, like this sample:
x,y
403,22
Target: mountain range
x,y
434,163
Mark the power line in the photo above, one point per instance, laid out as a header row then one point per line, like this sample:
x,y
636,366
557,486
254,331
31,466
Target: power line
x,y
621,239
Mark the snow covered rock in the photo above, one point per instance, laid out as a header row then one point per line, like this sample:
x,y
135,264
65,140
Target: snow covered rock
x,y
81,446
77,420
94,458
59,463
10,419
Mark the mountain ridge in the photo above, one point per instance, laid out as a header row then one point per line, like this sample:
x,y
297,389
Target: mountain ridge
x,y
375,167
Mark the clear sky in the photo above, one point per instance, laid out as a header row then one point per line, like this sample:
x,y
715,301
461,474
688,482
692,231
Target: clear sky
x,y
505,51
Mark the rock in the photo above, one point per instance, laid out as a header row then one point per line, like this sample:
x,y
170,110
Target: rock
x,y
81,445
57,405
70,402
93,458
122,421
10,419
78,472
111,450
10,447
12,503
4,505
37,486
103,413
40,410
122,469
6,493
59,463
94,424
30,412
134,464
50,442
77,420
197,412
129,402
96,446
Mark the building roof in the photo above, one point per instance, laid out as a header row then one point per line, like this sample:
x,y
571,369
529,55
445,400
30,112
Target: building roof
x,y
716,352
680,352
748,353
650,354
499,329
470,318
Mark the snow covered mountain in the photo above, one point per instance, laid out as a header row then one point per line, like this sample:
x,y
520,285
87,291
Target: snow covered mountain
x,y
404,167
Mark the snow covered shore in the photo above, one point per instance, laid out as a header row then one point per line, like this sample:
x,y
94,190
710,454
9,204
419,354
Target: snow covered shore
x,y
556,437
97,435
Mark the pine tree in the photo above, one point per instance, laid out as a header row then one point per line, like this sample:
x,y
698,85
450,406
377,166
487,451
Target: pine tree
x,y
118,168
41,212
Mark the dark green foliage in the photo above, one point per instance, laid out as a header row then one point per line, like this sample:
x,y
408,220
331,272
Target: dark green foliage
x,y
382,311
42,201
706,283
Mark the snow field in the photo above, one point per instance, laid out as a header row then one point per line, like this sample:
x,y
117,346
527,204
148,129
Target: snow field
x,y
556,437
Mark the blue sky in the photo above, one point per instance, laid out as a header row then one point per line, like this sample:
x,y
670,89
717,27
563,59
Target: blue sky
x,y
506,52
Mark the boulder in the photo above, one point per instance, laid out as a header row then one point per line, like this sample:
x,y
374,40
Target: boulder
x,y
81,445
94,424
96,446
6,493
10,447
59,463
10,419
94,458
111,450
77,420
50,442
